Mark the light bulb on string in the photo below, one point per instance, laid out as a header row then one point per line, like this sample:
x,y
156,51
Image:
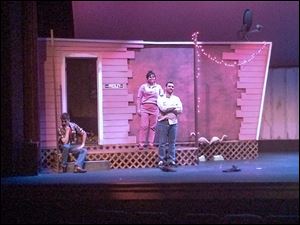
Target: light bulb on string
x,y
215,59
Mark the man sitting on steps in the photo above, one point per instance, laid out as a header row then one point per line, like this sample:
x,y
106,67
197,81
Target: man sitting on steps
x,y
67,141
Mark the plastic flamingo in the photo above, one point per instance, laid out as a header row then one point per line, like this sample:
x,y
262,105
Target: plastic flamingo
x,y
215,139
201,140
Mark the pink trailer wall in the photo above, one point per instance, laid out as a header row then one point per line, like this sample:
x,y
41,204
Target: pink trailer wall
x,y
172,63
231,98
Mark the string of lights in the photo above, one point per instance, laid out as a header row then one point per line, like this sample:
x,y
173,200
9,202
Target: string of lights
x,y
200,50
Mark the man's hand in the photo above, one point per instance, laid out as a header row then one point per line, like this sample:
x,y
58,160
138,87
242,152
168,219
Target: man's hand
x,y
139,112
67,128
65,139
79,146
170,109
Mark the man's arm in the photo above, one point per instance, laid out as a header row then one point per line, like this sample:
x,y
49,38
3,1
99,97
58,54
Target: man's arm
x,y
82,133
174,107
65,139
83,139
162,105
179,107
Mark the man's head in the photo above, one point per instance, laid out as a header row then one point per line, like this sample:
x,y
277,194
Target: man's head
x,y
65,119
169,87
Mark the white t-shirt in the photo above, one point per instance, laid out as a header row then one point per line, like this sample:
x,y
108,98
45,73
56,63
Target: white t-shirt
x,y
164,103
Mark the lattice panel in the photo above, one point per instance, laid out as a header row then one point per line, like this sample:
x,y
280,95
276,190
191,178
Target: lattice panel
x,y
124,156
187,156
48,159
138,159
231,150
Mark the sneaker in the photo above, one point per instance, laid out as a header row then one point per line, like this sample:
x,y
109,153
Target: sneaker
x,y
151,146
64,168
232,169
78,169
160,163
173,164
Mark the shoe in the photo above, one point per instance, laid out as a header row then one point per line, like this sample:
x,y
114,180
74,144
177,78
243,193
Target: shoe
x,y
141,147
172,164
78,169
232,169
161,164
64,168
151,146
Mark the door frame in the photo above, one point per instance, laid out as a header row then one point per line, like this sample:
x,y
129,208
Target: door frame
x,y
64,100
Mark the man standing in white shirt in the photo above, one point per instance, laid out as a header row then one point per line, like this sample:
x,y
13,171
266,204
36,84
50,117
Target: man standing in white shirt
x,y
170,107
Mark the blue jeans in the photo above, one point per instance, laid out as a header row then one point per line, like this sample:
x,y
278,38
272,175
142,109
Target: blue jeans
x,y
167,140
79,154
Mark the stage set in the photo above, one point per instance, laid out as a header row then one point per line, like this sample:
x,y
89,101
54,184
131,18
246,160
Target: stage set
x,y
221,85
223,88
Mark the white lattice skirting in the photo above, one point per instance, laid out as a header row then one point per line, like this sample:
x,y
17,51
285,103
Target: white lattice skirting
x,y
128,156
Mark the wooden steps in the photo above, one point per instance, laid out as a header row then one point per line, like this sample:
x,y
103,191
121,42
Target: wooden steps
x,y
91,165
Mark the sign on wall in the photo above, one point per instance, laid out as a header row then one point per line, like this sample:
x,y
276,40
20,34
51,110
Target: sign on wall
x,y
113,86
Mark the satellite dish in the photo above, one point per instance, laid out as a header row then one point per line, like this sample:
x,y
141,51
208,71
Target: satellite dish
x,y
246,27
247,20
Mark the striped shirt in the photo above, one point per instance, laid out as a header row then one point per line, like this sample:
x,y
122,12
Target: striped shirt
x,y
75,131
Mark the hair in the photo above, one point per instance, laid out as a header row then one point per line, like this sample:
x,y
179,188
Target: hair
x,y
65,116
150,72
169,82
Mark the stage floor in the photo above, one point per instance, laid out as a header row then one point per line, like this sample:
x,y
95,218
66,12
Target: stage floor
x,y
266,186
268,167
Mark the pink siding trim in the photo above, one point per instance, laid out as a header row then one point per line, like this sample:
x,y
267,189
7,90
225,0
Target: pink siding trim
x,y
88,49
114,104
129,139
115,92
250,120
249,85
114,68
129,109
114,64
94,43
240,57
240,113
117,117
248,131
114,80
122,98
251,80
252,68
246,96
117,74
249,126
118,55
109,123
113,135
247,137
119,128
247,108
252,102
118,62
